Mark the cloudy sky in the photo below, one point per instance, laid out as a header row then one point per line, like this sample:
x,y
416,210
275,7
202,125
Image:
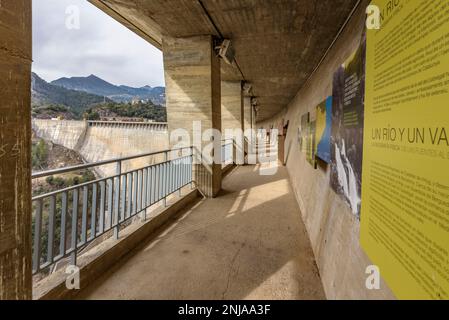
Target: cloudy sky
x,y
100,46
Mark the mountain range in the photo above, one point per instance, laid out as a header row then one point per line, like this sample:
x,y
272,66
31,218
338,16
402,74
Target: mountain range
x,y
95,85
45,94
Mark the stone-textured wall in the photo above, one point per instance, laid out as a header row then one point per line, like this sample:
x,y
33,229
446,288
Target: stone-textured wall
x,y
15,139
103,141
332,228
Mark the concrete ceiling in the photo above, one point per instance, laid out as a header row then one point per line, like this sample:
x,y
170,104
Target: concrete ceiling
x,y
278,42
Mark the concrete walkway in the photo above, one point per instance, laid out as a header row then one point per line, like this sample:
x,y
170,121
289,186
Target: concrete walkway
x,y
249,243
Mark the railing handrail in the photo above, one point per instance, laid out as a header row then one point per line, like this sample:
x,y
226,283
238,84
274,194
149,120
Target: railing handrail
x,y
78,186
127,122
101,163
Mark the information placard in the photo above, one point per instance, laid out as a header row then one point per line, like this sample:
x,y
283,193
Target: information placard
x,y
405,191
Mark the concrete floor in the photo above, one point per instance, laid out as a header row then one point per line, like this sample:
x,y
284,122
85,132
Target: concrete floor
x,y
249,243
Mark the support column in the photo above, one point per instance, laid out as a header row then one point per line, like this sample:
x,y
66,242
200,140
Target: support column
x,y
247,125
231,107
193,93
247,116
15,149
232,117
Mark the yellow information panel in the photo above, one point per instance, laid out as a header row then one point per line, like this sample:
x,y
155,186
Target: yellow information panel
x,y
405,190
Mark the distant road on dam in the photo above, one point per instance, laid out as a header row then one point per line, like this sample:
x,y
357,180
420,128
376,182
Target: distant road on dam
x,y
101,140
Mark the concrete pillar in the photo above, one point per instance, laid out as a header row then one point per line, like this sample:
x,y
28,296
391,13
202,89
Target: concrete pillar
x,y
15,149
247,116
231,106
232,117
193,93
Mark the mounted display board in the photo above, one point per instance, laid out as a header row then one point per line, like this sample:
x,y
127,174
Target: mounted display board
x,y
323,130
305,118
348,96
310,143
405,193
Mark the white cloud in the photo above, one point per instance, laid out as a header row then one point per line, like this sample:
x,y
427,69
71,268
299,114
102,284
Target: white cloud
x,y
101,46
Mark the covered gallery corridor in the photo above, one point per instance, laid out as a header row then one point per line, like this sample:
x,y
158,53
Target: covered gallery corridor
x,y
248,243
352,95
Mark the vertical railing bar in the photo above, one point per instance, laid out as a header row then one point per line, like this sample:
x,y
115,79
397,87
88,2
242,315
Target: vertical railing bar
x,y
192,155
37,236
164,175
168,175
156,184
175,169
161,183
51,229
117,185
144,193
93,214
124,181
139,190
74,227
84,216
108,224
178,174
148,200
182,176
62,244
168,186
153,185
173,176
135,183
102,206
130,190
175,172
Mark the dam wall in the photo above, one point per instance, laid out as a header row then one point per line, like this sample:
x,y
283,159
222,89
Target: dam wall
x,y
101,140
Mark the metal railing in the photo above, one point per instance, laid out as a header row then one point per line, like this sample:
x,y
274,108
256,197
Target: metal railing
x,y
67,220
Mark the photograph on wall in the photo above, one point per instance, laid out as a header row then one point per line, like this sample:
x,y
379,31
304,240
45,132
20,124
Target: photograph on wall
x,y
323,130
348,100
310,144
303,132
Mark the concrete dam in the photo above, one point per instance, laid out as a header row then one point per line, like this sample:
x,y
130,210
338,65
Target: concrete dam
x,y
100,140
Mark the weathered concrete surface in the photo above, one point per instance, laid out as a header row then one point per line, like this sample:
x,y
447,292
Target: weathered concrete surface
x,y
69,134
333,230
231,107
278,43
193,90
237,246
15,146
103,141
247,114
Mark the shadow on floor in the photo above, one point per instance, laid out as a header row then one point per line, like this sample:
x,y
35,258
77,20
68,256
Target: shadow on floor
x,y
249,243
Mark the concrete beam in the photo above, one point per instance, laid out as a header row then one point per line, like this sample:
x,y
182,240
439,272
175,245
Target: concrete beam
x,y
193,90
15,149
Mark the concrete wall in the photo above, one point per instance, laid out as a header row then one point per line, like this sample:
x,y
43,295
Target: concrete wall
x,y
15,140
96,141
69,134
332,228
